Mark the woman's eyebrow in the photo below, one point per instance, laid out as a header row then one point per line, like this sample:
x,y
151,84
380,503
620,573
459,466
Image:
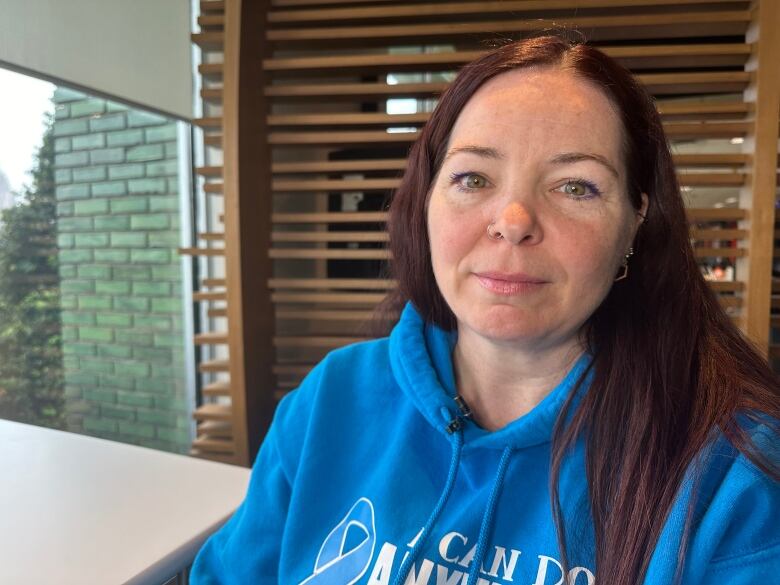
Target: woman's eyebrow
x,y
483,151
573,157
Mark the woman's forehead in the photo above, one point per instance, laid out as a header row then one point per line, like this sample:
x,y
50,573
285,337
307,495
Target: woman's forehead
x,y
540,109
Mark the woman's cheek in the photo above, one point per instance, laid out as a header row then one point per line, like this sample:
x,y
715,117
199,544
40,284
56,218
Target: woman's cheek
x,y
452,239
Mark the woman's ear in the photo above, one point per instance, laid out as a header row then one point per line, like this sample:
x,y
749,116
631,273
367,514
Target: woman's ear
x,y
641,214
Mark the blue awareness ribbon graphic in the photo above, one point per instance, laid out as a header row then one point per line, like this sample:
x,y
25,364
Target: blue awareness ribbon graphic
x,y
336,566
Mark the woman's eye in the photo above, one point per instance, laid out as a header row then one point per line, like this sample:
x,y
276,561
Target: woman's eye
x,y
576,189
580,189
469,181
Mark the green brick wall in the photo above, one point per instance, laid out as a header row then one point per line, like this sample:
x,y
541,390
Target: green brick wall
x,y
118,221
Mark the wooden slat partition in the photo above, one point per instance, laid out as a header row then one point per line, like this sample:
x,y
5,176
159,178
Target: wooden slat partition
x,y
306,222
650,25
760,197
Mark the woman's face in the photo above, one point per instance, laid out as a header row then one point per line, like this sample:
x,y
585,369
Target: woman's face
x,y
537,153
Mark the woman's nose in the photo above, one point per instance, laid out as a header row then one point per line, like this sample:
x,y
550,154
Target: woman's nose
x,y
517,223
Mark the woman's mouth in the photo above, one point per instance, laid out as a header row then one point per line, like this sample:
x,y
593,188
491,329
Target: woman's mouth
x,y
508,284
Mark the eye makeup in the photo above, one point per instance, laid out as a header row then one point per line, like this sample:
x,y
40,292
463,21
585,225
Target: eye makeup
x,y
592,188
457,179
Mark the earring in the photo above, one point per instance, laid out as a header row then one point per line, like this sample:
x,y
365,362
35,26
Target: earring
x,y
493,235
625,265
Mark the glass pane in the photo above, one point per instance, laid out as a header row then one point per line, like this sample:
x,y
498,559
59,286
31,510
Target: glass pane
x,y
92,317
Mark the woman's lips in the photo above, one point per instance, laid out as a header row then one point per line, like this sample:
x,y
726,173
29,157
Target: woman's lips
x,y
509,284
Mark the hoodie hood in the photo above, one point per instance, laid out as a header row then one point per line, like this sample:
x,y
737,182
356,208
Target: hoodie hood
x,y
361,482
421,361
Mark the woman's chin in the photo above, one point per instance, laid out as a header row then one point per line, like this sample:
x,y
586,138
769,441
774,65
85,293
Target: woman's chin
x,y
506,323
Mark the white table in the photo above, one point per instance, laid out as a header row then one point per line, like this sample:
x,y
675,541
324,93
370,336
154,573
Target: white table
x,y
81,510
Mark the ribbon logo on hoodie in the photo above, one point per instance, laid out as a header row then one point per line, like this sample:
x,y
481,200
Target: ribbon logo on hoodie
x,y
343,559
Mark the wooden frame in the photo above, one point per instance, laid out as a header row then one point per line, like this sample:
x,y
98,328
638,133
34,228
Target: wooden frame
x,y
302,81
763,181
246,171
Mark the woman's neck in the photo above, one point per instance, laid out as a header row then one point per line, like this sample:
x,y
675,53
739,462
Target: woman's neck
x,y
501,383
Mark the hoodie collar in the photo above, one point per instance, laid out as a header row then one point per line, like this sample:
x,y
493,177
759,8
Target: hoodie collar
x,y
421,360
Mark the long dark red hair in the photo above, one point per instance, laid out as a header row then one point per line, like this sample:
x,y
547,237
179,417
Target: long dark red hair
x,y
669,366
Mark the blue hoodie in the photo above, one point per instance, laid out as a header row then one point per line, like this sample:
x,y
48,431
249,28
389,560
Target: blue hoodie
x,y
371,475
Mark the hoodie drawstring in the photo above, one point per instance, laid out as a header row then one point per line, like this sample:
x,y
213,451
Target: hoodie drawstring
x,y
456,430
487,519
457,445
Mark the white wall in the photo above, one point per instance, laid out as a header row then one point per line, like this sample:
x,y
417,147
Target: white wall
x,y
135,50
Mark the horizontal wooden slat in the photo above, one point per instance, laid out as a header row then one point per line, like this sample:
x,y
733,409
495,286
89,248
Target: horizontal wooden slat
x,y
208,122
213,444
214,366
297,3
324,315
282,186
678,130
689,24
711,159
700,234
690,130
730,301
331,283
331,236
211,21
214,313
213,140
733,179
688,160
342,137
210,171
210,69
328,254
674,110
209,296
213,188
695,82
212,282
657,83
212,412
218,388
708,214
216,428
202,251
428,9
328,298
355,90
212,6
338,166
211,236
211,94
347,119
698,108
735,286
315,341
209,40
211,338
343,217
720,252
637,56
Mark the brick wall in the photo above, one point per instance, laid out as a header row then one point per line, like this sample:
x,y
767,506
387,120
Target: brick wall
x,y
118,223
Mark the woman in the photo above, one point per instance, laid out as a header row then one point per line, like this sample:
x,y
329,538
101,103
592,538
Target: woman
x,y
562,400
